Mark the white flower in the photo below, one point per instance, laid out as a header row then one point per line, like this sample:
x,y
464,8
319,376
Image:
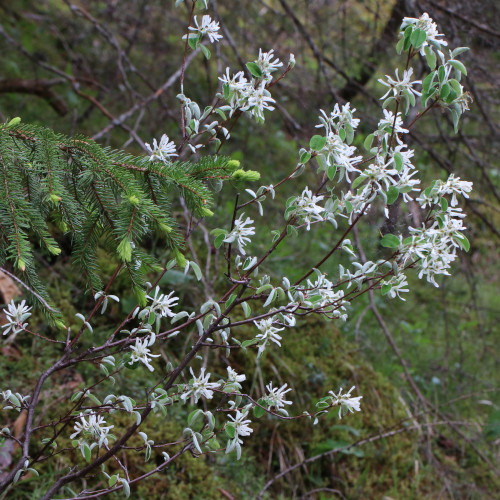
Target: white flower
x,y
267,65
241,428
258,100
240,233
142,353
455,186
163,303
269,333
400,87
276,397
208,27
385,126
346,401
307,207
163,151
425,23
200,386
233,377
93,428
336,152
338,118
398,284
15,316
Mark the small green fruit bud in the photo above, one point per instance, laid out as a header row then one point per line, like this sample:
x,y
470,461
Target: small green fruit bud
x,y
133,199
21,265
180,259
233,164
206,212
246,175
55,199
140,296
125,249
54,250
14,122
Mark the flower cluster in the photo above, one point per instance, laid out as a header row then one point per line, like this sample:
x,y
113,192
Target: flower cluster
x,y
345,401
93,428
426,24
207,27
400,87
15,316
268,333
163,304
251,96
241,428
141,352
307,208
200,386
163,151
276,397
240,233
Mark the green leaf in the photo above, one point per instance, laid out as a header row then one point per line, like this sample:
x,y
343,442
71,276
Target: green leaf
x,y
331,171
230,300
386,289
317,142
342,134
430,56
408,32
427,81
197,271
444,204
390,241
86,452
417,38
247,343
349,133
206,51
254,69
445,90
462,241
441,74
398,161
399,45
358,181
112,480
392,195
458,66
194,41
258,411
230,430
367,144
246,309
305,157
219,240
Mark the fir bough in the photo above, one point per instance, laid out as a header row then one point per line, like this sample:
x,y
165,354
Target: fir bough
x,y
51,185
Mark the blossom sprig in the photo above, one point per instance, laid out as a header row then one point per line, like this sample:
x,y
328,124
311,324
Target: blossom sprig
x,y
16,315
199,386
163,151
345,401
268,333
207,27
91,427
275,396
401,88
432,40
239,427
141,352
241,233
15,401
